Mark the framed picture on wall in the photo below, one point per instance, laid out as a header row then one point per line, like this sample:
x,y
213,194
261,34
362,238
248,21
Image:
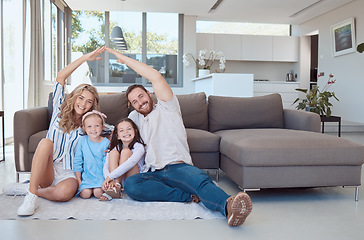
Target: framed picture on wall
x,y
343,37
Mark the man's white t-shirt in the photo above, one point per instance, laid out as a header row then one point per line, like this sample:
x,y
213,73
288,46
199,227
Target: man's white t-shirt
x,y
164,134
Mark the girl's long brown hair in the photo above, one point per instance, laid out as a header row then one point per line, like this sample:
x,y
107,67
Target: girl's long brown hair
x,y
115,142
67,115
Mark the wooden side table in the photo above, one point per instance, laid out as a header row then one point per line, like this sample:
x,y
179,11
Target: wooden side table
x,y
3,130
331,119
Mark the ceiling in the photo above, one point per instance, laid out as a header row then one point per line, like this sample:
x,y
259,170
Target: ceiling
x,y
252,11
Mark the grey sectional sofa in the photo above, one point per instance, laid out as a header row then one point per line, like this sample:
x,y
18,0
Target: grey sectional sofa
x,y
256,142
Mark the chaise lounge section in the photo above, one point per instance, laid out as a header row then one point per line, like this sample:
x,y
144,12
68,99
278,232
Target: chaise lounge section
x,y
266,146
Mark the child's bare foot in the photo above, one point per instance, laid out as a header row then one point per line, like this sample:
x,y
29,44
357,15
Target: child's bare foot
x,y
105,197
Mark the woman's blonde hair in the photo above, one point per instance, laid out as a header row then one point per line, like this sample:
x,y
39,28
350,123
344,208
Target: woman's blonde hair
x,y
67,118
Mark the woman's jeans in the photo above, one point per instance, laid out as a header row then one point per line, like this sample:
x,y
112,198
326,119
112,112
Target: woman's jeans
x,y
176,183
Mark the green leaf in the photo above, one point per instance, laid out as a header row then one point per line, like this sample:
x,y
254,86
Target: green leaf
x,y
328,113
301,90
297,99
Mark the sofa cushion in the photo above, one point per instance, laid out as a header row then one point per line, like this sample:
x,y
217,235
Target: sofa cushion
x,y
194,110
285,147
255,112
202,141
35,139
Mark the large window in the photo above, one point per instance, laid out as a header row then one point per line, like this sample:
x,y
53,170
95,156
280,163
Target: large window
x,y
53,40
47,35
151,38
162,44
12,59
242,28
87,34
18,43
131,24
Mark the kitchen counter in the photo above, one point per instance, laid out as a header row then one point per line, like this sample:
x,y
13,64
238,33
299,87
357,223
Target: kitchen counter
x,y
275,82
226,84
287,90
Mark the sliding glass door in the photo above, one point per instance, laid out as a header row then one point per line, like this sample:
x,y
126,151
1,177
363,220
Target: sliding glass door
x,y
13,51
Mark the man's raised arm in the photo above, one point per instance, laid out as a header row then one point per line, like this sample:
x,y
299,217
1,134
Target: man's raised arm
x,y
160,86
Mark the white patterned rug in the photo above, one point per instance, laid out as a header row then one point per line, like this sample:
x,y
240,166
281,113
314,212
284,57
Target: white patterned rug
x,y
117,209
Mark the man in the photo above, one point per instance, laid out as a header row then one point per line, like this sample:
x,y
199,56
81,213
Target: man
x,y
169,173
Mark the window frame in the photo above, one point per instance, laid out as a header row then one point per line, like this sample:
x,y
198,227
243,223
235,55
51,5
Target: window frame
x,y
62,43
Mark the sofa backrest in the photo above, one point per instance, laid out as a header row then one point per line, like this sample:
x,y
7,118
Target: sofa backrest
x,y
115,106
254,112
194,110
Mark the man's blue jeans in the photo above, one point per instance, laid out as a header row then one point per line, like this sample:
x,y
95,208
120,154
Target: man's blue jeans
x,y
176,183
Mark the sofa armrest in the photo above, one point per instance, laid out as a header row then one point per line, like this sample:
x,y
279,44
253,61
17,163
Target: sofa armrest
x,y
26,123
301,120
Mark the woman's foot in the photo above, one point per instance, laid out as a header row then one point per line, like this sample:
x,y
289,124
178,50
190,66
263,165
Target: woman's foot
x,y
29,205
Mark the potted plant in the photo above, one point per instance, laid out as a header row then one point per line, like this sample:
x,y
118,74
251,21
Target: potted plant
x,y
360,48
205,60
317,100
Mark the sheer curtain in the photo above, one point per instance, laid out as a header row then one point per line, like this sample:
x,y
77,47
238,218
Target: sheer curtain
x,y
36,58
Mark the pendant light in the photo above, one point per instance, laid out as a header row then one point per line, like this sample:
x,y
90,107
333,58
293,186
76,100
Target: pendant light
x,y
118,38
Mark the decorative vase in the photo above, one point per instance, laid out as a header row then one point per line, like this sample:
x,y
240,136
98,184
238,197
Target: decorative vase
x,y
203,72
308,109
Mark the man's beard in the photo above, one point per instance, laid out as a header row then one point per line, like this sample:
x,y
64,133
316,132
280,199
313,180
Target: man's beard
x,y
148,109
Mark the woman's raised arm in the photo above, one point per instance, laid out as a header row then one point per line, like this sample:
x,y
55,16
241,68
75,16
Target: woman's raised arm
x,y
68,70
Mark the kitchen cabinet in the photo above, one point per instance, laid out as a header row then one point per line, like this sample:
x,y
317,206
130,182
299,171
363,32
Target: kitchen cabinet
x,y
251,47
287,90
205,41
285,49
256,48
229,44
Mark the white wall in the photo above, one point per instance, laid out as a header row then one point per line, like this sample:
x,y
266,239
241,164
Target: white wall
x,y
347,69
189,46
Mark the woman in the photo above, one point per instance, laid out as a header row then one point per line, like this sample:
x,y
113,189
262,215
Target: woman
x,y
52,176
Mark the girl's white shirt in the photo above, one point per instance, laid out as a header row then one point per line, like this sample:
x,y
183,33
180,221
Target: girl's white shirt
x,y
136,158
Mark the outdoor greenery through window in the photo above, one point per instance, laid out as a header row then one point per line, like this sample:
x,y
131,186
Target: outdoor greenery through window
x,y
131,25
242,28
88,33
162,44
50,38
47,19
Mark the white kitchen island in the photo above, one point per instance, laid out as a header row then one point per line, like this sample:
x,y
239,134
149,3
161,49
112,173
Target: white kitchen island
x,y
226,84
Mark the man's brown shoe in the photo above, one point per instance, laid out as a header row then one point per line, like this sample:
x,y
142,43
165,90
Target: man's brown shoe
x,y
238,209
195,199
